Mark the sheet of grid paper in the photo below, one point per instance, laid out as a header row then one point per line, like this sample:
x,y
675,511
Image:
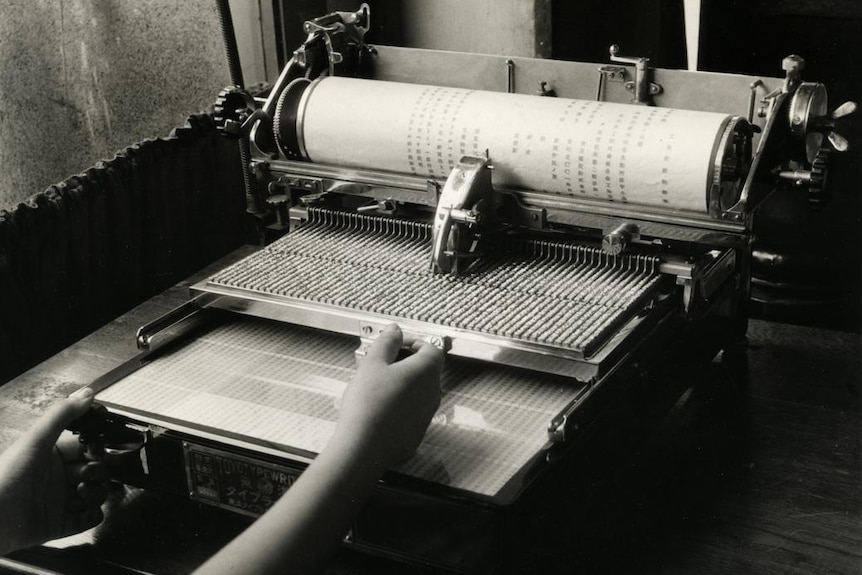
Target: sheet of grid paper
x,y
280,386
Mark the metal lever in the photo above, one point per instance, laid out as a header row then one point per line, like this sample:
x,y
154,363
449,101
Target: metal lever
x,y
387,206
179,320
642,87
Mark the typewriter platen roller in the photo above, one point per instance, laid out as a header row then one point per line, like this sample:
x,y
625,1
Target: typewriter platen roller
x,y
555,245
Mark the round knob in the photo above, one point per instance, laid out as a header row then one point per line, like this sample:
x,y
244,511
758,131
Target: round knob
x,y
280,203
793,63
614,243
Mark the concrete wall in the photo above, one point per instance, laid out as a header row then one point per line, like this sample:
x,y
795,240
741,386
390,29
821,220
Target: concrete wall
x,y
508,27
80,79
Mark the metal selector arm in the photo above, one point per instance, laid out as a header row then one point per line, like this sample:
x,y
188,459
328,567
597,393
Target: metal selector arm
x,y
465,204
642,87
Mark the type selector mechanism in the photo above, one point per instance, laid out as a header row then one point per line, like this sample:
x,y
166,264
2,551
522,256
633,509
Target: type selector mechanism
x,y
466,203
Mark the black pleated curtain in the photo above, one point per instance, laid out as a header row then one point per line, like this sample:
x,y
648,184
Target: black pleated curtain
x,y
87,249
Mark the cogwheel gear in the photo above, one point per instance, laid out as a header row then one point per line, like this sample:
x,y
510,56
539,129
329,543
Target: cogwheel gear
x,y
287,134
817,188
233,107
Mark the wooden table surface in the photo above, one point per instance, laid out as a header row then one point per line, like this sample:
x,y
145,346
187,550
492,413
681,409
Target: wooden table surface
x,y
765,479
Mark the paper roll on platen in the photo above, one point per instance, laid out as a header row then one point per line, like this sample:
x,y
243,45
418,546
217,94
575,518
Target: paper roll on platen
x,y
579,148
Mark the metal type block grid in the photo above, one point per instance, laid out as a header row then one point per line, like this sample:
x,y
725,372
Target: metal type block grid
x,y
566,296
280,386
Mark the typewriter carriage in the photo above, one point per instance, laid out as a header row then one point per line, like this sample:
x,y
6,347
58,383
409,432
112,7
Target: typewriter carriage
x,y
776,145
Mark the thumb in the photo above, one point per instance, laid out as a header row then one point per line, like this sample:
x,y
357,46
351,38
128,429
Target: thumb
x,y
387,345
49,427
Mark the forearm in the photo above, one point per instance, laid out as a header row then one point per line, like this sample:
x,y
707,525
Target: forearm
x,y
300,532
384,414
15,507
9,527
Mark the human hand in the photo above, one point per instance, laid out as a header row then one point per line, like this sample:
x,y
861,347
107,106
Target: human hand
x,y
387,407
47,488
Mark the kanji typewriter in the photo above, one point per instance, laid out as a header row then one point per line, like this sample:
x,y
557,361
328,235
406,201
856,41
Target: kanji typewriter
x,y
559,229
